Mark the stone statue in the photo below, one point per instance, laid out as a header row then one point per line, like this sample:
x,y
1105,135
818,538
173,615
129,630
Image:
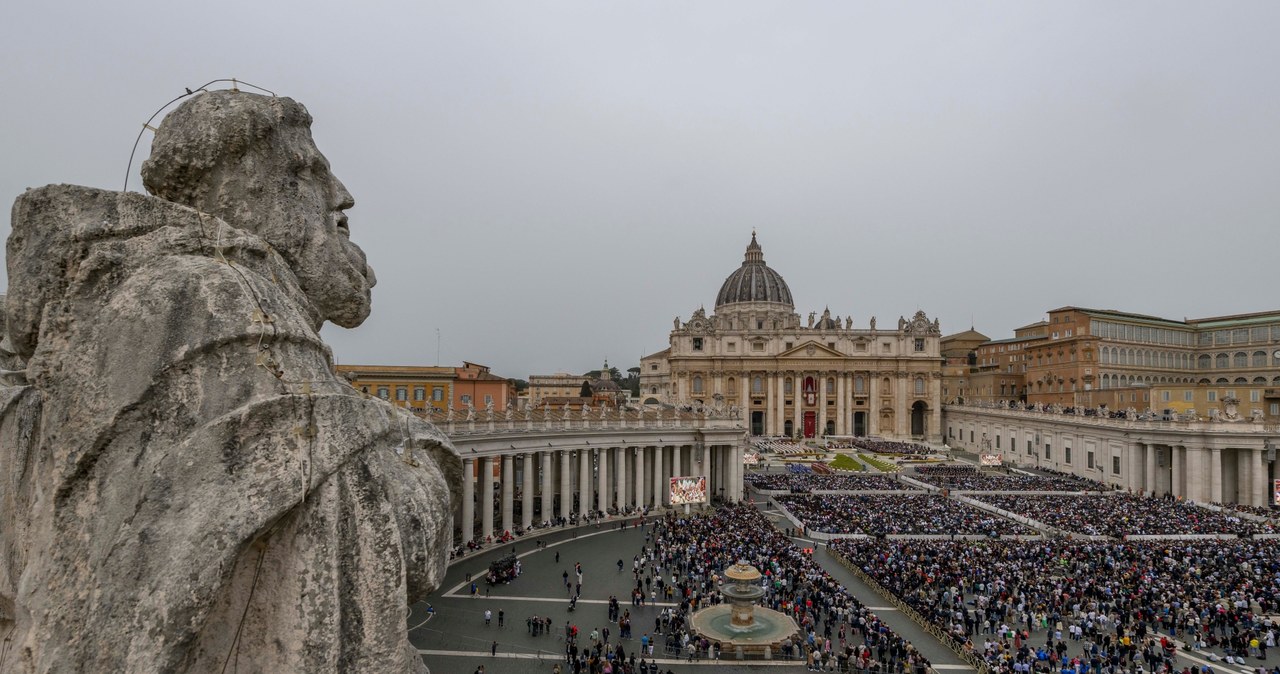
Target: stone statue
x,y
902,323
848,322
190,481
471,411
873,322
449,416
676,325
812,314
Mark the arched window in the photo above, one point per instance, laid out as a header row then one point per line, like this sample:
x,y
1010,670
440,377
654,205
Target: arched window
x,y
1241,359
732,385
1222,361
653,390
1259,358
757,385
697,385
859,385
919,386
1241,380
1204,361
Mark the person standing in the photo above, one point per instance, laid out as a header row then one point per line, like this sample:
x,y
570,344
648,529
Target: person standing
x,y
488,615
493,650
502,618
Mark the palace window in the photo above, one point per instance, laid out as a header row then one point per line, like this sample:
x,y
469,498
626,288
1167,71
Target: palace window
x,y
697,343
488,400
402,393
859,384
919,385
697,385
384,393
831,386
757,385
786,386
437,393
419,393
1115,465
919,344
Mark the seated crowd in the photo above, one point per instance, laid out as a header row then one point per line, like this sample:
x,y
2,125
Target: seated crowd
x,y
1060,605
838,632
1119,515
890,447
782,446
893,514
956,477
801,483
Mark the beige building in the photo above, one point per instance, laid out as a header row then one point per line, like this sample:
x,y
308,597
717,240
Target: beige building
x,y
787,376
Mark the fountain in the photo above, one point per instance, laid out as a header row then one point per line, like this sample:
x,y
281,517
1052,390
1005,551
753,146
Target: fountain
x,y
741,627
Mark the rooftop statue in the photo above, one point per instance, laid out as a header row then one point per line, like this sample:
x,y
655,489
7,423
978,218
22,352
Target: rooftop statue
x,y
187,481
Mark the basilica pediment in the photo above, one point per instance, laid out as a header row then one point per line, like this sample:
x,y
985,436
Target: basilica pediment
x,y
811,350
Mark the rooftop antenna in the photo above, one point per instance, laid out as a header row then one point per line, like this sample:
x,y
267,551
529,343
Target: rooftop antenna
x,y
437,347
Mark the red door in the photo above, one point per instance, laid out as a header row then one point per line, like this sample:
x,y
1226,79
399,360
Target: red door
x,y
810,424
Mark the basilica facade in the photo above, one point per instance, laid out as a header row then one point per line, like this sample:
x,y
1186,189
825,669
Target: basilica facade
x,y
755,356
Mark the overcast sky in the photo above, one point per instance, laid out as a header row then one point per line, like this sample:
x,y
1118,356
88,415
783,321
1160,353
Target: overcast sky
x,y
549,183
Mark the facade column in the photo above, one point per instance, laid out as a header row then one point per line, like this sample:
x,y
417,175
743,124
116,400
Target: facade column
x,y
1215,475
656,464
584,482
677,460
842,404
1243,493
779,406
602,476
638,477
1149,472
546,487
873,403
797,404
486,497
508,493
1258,481
821,426
901,415
934,431
1175,472
620,467
526,496
735,468
566,495
744,404
468,500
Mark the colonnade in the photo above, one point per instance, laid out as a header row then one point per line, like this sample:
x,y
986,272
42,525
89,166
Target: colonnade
x,y
1205,474
560,482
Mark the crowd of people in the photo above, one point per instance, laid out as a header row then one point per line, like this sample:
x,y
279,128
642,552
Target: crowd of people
x,y
889,447
802,483
965,477
1119,515
894,514
837,631
1052,605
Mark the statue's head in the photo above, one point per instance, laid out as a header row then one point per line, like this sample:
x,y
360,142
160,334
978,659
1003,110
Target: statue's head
x,y
250,160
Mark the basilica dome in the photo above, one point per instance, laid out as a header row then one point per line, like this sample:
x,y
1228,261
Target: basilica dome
x,y
754,281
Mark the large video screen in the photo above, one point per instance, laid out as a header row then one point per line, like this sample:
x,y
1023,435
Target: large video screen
x,y
688,490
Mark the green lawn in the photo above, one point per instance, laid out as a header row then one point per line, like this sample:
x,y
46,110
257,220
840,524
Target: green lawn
x,y
882,466
846,462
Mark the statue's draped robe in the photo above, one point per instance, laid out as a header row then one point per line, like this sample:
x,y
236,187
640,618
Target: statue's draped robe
x,y
186,478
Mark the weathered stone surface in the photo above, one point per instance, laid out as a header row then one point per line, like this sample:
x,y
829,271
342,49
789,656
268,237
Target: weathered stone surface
x,y
186,481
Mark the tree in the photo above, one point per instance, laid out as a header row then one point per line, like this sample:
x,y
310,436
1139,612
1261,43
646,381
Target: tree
x,y
586,390
520,384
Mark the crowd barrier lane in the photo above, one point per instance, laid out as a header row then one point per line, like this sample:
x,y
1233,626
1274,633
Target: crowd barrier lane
x,y
930,627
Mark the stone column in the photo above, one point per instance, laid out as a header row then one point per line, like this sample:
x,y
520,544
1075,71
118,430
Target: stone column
x,y
526,497
1175,472
1148,475
658,471
566,492
797,404
873,404
735,470
584,482
842,404
620,469
638,477
508,493
546,486
602,476
1243,493
677,461
468,500
1215,475
821,425
901,411
486,497
1258,482
779,400
935,411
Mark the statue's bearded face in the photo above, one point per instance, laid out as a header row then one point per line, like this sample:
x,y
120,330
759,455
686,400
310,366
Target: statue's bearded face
x,y
332,270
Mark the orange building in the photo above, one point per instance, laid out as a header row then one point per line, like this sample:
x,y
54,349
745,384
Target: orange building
x,y
410,386
474,384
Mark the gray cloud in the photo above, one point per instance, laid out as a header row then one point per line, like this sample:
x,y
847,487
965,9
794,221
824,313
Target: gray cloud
x,y
549,183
